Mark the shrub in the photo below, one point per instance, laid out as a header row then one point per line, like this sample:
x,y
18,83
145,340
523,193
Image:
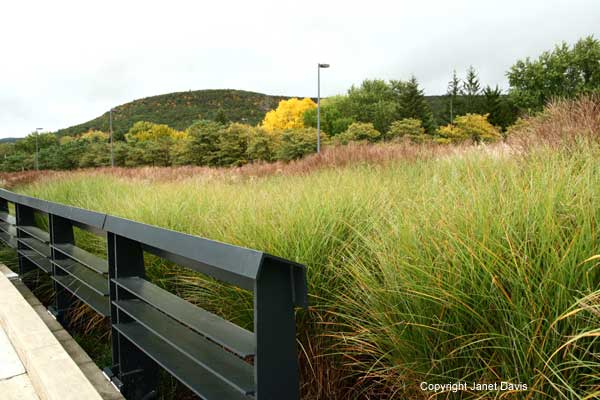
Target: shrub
x,y
262,145
474,127
407,127
296,143
359,132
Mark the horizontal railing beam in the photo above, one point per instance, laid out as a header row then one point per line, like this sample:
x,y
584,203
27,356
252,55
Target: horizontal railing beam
x,y
233,264
80,215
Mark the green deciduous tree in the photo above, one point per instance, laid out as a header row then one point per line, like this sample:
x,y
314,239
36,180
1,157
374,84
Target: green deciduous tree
x,y
28,143
180,152
374,101
95,155
296,143
563,72
336,116
121,152
233,145
17,161
262,146
203,145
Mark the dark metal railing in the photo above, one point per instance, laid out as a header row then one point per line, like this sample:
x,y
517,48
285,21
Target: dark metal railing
x,y
151,327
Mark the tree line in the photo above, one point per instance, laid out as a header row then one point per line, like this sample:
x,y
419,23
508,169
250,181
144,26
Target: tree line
x,y
375,110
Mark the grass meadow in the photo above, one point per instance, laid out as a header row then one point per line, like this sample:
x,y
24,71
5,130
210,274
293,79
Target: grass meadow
x,y
424,264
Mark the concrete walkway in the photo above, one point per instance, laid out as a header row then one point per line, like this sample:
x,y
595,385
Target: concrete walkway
x,y
14,381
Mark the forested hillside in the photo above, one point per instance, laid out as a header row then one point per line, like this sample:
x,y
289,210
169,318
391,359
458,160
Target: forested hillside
x,y
179,110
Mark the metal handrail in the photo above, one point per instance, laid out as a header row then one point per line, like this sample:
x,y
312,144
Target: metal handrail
x,y
152,327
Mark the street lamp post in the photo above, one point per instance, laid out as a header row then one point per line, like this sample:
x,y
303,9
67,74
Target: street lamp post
x,y
112,152
319,66
37,162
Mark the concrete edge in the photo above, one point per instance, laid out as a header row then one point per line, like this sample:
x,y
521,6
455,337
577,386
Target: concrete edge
x,y
58,367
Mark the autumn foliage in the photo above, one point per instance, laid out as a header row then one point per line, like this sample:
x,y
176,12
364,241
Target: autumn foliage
x,y
473,127
289,114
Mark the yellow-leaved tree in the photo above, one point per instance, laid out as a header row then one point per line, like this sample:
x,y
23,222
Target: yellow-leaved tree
x,y
474,127
145,131
288,115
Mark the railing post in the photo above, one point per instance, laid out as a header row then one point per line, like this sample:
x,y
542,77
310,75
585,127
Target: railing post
x,y
136,374
24,216
3,205
61,232
276,362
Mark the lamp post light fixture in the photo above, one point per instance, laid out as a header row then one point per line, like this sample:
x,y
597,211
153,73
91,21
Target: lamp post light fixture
x,y
37,162
319,66
112,151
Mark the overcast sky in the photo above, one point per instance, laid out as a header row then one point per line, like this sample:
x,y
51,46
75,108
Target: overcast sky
x,y
65,62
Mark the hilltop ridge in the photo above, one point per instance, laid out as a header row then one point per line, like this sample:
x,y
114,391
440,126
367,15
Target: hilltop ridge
x,y
180,109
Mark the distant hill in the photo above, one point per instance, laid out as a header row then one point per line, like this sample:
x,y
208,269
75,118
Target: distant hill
x,y
9,140
180,109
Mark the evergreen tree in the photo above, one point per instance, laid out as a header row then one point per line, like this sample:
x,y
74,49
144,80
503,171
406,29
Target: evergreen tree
x,y
471,88
412,104
501,111
452,93
493,103
471,85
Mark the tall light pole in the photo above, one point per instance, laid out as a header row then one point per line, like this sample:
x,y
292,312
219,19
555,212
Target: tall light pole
x,y
112,152
37,163
319,66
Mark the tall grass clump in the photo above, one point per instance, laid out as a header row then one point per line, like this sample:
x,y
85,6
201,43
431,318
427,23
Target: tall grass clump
x,y
474,265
